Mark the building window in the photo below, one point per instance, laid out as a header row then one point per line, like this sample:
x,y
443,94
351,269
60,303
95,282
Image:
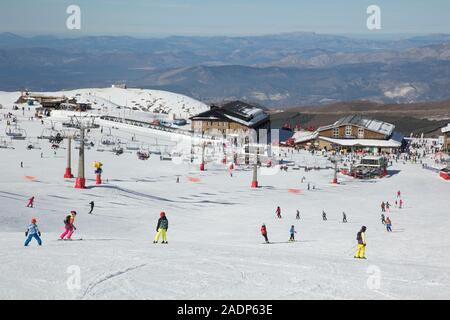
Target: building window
x,y
361,133
336,132
348,131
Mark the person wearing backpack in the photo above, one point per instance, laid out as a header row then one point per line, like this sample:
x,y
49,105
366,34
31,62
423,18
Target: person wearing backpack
x,y
161,228
69,226
361,238
33,232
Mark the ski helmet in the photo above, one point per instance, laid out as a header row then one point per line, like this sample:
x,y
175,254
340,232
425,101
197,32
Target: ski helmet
x,y
363,228
33,220
162,214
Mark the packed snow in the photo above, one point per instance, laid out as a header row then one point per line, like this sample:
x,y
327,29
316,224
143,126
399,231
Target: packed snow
x,y
215,249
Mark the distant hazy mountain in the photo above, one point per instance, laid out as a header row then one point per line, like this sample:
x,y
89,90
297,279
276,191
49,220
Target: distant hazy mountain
x,y
275,70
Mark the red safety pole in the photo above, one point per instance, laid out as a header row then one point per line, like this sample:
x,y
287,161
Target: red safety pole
x,y
68,173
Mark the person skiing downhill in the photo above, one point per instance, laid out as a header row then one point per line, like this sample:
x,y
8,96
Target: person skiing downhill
x,y
33,232
92,206
69,225
388,224
264,233
383,207
297,215
161,228
400,204
361,238
278,212
398,194
292,232
324,215
30,202
383,221
344,217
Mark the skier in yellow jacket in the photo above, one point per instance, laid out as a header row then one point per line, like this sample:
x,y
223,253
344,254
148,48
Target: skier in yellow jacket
x,y
361,237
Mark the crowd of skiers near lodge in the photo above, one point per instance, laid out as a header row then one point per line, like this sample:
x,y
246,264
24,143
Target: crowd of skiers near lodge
x,y
163,225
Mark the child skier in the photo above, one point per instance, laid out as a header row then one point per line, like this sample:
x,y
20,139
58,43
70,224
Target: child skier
x,y
264,233
278,212
388,224
30,202
324,215
33,232
69,226
161,228
292,232
361,238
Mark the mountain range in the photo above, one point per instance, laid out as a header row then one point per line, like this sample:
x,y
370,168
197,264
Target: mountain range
x,y
293,69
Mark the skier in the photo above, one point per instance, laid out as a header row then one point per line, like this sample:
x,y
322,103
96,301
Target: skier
x,y
33,232
401,203
298,215
278,212
324,215
30,202
21,164
292,232
398,194
361,238
309,187
68,224
264,233
92,206
161,228
388,206
178,179
344,217
383,207
388,224
383,221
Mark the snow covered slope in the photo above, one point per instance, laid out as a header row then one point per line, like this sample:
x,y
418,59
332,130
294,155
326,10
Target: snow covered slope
x,y
215,249
152,101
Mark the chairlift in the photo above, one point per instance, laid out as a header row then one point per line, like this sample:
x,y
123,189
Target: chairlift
x,y
16,133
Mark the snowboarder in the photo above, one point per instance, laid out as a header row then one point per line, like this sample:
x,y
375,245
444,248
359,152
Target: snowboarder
x,y
278,212
161,228
69,225
264,233
30,202
33,232
92,206
344,217
383,221
324,215
298,215
388,224
383,207
292,232
361,238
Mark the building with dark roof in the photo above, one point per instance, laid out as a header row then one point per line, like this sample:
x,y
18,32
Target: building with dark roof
x,y
236,115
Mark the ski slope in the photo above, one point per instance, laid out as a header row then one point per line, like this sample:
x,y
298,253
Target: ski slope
x,y
215,249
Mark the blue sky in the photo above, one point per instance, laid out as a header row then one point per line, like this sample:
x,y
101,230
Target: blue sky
x,y
145,18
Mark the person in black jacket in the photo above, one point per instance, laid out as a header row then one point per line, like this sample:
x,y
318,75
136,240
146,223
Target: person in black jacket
x,y
92,206
161,228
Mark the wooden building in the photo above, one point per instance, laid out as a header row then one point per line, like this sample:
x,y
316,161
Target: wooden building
x,y
234,116
356,133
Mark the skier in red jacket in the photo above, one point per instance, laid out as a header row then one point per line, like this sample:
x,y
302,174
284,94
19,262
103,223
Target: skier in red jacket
x,y
278,212
264,232
30,202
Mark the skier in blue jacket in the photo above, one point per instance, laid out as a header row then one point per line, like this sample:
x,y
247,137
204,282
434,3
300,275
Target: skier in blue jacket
x,y
33,232
292,233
